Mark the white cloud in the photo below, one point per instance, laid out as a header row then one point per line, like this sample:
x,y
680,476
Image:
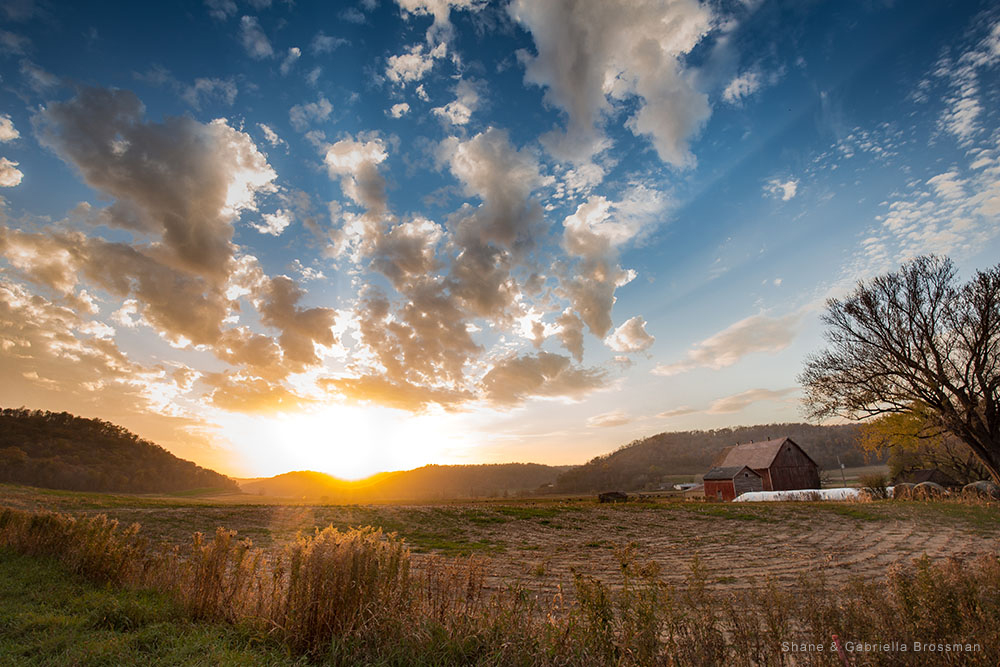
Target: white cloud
x,y
630,337
414,64
274,223
254,40
355,162
785,190
440,30
220,9
303,115
743,400
757,333
7,130
38,79
593,55
399,110
10,175
13,43
323,43
223,90
180,179
271,136
293,54
460,110
964,102
607,419
742,87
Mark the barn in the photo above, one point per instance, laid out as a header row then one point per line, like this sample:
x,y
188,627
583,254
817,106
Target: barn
x,y
727,483
781,464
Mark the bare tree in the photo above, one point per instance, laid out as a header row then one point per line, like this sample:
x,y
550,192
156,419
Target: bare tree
x,y
915,336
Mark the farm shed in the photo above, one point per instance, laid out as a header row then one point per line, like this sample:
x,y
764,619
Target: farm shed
x,y
727,483
781,463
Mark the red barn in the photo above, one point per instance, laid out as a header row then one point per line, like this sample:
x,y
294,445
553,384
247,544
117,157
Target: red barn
x,y
781,464
727,483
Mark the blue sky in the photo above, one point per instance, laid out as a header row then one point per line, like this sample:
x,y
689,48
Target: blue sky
x,y
372,235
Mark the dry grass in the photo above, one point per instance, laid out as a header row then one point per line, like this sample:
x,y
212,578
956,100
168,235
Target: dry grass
x,y
354,597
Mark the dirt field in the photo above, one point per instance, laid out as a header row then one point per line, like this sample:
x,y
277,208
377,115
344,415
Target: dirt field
x,y
541,543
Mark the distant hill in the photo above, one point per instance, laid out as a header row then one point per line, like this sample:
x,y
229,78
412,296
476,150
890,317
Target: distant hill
x,y
431,482
642,464
58,450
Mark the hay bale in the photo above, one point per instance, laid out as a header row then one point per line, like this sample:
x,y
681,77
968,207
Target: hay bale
x,y
985,490
903,491
929,490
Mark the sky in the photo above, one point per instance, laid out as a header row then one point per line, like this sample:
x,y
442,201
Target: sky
x,y
363,236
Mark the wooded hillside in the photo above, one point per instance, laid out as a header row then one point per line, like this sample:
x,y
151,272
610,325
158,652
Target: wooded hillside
x,y
58,450
431,482
642,464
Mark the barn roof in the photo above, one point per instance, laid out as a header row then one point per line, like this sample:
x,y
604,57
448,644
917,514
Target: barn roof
x,y
755,455
727,473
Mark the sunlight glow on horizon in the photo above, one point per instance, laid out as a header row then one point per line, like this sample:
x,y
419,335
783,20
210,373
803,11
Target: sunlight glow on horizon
x,y
348,442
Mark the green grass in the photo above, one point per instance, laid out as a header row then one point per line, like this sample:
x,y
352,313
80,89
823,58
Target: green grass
x,y
49,617
859,512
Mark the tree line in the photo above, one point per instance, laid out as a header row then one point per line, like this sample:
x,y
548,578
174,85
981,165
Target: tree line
x,y
59,450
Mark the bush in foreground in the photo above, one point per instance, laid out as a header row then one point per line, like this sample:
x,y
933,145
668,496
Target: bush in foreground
x,y
355,597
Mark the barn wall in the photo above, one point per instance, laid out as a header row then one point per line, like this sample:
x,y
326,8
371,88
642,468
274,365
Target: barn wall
x,y
713,487
743,484
792,469
765,479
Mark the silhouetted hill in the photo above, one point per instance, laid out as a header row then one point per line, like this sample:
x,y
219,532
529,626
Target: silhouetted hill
x,y
642,464
431,482
57,450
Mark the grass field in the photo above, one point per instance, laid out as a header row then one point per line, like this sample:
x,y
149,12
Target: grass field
x,y
49,617
541,543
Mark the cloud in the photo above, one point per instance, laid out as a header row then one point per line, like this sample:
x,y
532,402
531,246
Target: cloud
x,y
355,162
591,56
677,412
570,333
53,357
223,90
608,419
302,329
10,175
441,29
399,110
630,337
786,190
413,65
274,223
594,233
7,130
271,136
400,395
741,401
515,379
251,395
742,87
497,235
37,78
13,43
302,116
757,333
254,40
459,110
293,54
180,180
221,9
323,43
